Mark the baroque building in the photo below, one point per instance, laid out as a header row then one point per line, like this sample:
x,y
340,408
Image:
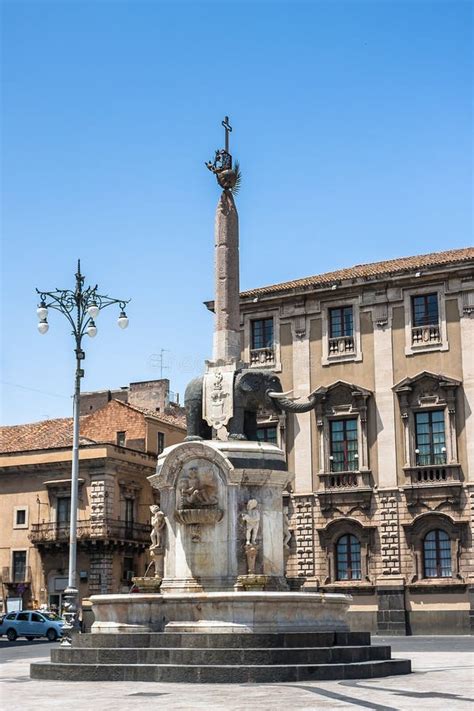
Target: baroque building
x,y
118,450
383,500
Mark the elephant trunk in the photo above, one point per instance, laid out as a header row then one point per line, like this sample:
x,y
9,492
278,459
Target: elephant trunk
x,y
285,403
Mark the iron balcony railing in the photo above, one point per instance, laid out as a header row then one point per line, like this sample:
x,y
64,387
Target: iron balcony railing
x,y
109,529
18,574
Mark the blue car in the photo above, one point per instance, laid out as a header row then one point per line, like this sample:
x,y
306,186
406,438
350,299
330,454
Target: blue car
x,y
31,624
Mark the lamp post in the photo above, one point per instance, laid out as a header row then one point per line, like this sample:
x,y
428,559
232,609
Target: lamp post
x,y
81,307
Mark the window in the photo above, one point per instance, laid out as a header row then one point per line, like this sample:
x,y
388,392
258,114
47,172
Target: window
x,y
19,566
63,510
23,616
425,310
161,442
430,438
343,440
20,517
425,320
341,322
36,618
129,515
348,558
437,554
267,434
121,439
262,333
341,336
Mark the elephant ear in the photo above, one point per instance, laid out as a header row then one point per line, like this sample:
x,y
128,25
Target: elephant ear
x,y
250,382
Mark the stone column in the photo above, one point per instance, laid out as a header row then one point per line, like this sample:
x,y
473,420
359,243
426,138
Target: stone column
x,y
227,345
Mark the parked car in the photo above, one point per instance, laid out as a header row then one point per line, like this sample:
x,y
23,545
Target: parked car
x,y
31,624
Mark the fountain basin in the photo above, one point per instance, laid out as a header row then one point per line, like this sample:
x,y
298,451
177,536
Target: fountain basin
x,y
208,612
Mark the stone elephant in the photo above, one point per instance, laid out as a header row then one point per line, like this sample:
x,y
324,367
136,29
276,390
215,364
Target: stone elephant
x,y
251,393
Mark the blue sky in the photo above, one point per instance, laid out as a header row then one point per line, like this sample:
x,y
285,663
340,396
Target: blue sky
x,y
352,123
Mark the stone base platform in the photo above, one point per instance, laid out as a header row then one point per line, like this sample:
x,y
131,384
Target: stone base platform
x,y
216,612
220,658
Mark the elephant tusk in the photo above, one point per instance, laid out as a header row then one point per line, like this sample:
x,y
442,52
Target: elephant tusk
x,y
278,396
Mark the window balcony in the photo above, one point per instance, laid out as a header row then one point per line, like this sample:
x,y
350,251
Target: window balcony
x,y
262,356
344,345
436,483
113,531
345,489
425,335
16,576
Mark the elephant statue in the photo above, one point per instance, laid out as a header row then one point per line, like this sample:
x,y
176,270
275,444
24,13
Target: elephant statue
x,y
253,390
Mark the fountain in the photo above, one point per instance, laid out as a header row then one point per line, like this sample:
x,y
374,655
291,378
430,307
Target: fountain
x,y
223,612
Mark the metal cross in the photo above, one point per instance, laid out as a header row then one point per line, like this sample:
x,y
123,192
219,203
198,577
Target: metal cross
x,y
228,129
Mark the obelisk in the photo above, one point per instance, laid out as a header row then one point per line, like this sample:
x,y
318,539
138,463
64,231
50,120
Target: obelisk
x,y
227,345
218,386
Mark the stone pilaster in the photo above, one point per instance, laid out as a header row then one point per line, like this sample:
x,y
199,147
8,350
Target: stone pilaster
x,y
467,350
302,421
389,533
304,532
383,394
101,573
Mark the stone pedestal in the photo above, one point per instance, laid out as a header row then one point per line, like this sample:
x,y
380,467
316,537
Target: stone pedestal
x,y
391,614
204,490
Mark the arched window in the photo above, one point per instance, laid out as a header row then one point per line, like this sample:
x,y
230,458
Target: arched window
x,y
437,554
348,558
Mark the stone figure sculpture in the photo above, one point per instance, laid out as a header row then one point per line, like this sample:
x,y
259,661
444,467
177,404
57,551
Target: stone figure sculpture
x,y
158,523
198,488
252,522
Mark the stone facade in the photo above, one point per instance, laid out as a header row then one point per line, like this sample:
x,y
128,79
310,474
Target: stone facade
x,y
388,375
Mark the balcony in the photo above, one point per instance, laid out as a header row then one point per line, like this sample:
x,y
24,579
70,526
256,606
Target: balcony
x,y
345,490
425,335
262,356
90,532
344,345
433,482
16,576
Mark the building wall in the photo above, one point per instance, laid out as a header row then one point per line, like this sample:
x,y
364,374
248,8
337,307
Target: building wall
x,y
104,424
147,394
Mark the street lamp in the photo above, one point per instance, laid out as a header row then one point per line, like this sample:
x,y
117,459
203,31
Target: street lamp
x,y
81,307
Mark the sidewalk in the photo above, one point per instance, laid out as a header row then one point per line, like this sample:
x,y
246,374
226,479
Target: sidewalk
x,y
443,678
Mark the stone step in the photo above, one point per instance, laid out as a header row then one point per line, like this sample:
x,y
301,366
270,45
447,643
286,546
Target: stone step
x,y
220,656
215,674
191,640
